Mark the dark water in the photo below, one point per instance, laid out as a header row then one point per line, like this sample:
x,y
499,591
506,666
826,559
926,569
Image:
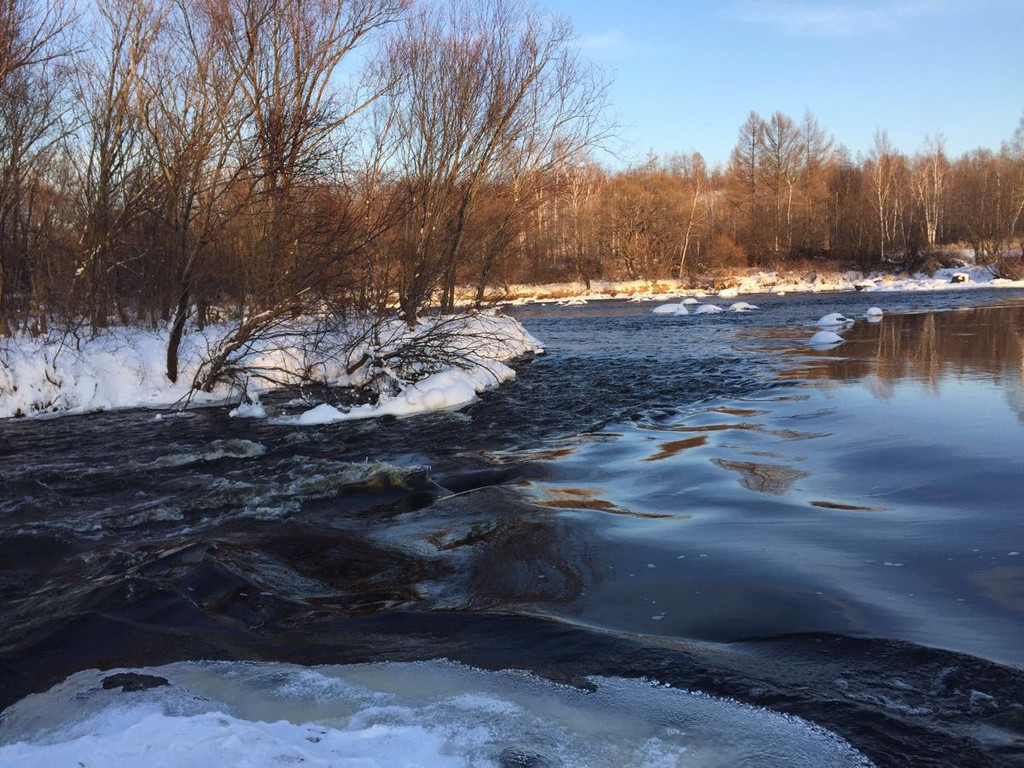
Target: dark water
x,y
702,500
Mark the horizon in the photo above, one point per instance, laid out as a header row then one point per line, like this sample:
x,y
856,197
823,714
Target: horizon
x,y
686,78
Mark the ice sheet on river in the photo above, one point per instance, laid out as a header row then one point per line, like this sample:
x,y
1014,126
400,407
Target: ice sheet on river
x,y
413,714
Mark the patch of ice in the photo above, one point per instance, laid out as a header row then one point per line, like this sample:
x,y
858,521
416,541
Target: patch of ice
x,y
825,339
253,409
667,309
428,713
325,413
834,320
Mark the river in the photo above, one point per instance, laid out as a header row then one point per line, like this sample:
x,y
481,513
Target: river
x,y
700,502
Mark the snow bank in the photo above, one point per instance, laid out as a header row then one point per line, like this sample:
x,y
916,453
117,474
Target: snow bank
x,y
754,282
125,367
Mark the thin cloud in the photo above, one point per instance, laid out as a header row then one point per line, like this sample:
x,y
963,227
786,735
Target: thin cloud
x,y
612,40
838,19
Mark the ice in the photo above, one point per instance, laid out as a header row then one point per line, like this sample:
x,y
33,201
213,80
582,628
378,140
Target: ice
x,y
825,339
667,309
445,390
321,414
411,714
833,320
253,410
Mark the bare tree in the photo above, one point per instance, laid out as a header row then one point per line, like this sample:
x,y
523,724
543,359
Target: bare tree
x,y
115,184
34,46
881,179
486,93
929,171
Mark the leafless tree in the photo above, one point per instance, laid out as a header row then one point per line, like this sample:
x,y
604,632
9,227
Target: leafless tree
x,y
487,93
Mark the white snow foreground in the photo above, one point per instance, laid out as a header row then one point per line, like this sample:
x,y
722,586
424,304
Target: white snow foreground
x,y
125,367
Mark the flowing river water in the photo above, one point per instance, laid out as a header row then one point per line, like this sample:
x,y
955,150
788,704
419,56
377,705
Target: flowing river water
x,y
699,540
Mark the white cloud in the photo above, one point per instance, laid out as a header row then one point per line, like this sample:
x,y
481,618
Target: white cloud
x,y
838,18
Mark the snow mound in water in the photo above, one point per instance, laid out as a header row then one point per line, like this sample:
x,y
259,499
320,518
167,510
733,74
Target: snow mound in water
x,y
873,312
690,300
445,390
253,409
666,309
833,319
413,714
825,339
707,309
741,306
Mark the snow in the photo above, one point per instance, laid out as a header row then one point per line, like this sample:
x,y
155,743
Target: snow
x,y
825,339
253,409
707,309
741,306
667,309
450,389
125,368
752,281
833,320
411,714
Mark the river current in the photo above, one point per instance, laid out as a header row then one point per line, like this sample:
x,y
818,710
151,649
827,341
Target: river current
x,y
830,537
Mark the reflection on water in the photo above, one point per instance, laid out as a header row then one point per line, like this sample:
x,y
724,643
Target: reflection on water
x,y
771,523
975,343
763,478
877,495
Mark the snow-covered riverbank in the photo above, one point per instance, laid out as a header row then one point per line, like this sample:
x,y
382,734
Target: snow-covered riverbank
x,y
755,282
125,367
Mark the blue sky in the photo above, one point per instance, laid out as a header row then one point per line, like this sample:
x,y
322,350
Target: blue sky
x,y
686,74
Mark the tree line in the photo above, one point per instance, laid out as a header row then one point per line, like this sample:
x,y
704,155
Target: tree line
x,y
170,162
788,198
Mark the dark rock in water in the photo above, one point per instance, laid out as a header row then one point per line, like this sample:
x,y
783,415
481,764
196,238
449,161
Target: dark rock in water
x,y
133,681
515,757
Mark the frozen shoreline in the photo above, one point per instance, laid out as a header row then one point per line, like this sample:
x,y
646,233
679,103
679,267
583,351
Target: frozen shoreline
x,y
757,282
125,368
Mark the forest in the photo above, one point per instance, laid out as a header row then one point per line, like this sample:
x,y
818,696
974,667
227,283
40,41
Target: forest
x,y
168,162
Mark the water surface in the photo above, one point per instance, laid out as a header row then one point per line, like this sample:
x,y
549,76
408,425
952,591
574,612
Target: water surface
x,y
702,500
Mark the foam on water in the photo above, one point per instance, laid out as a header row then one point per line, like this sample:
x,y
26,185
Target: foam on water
x,y
421,713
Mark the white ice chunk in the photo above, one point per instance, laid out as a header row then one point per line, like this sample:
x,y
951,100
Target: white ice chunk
x,y
825,339
833,319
